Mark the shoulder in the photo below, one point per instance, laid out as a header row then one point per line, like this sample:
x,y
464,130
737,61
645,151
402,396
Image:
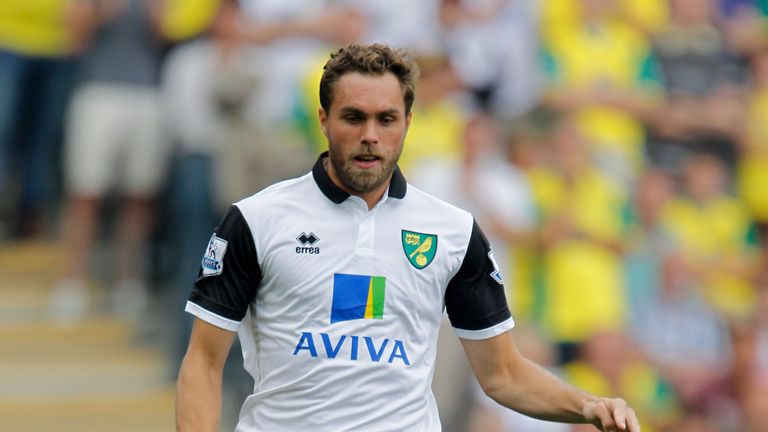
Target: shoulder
x,y
427,204
284,191
279,204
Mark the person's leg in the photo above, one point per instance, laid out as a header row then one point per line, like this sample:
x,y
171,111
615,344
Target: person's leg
x,y
71,300
129,295
80,220
143,159
50,87
12,70
89,154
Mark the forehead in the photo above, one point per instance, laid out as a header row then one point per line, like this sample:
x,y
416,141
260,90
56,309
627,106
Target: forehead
x,y
370,93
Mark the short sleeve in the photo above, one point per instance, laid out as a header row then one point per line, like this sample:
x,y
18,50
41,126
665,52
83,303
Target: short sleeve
x,y
475,300
229,274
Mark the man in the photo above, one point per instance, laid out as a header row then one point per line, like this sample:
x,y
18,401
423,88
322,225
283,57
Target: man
x,y
336,283
38,43
112,121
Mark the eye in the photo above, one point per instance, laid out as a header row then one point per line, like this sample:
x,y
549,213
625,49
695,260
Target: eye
x,y
352,118
387,119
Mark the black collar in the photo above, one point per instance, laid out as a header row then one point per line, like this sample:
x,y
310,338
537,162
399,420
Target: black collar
x,y
397,186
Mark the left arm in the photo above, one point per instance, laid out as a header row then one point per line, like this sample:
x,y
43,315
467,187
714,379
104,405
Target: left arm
x,y
517,383
477,308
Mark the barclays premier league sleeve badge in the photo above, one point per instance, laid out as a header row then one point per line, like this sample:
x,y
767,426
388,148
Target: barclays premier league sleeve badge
x,y
213,263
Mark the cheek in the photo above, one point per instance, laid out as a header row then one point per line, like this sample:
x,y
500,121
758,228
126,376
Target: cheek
x,y
342,133
395,139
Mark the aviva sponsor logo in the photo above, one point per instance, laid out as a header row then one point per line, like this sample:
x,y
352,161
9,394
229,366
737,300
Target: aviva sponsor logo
x,y
352,347
357,297
354,297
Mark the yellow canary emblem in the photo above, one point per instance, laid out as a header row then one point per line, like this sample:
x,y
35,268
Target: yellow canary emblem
x,y
419,248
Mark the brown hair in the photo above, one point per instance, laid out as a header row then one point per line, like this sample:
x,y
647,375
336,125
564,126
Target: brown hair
x,y
376,59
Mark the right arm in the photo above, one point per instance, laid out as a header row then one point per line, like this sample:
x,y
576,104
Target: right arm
x,y
198,390
225,287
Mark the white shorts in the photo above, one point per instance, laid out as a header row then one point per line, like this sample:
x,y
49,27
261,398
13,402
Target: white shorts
x,y
114,140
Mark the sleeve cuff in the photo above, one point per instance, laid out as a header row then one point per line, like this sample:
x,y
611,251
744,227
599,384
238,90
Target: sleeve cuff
x,y
486,333
211,318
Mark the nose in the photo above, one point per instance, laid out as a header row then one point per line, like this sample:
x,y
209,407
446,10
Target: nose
x,y
370,133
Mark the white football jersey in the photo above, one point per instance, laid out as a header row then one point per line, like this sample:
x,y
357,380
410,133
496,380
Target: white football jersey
x,y
338,307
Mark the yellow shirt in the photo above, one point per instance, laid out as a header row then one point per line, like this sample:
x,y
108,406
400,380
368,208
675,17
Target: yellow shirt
x,y
583,284
752,172
713,234
35,27
556,15
614,56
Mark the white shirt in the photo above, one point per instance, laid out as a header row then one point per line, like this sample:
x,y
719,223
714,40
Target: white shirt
x,y
338,307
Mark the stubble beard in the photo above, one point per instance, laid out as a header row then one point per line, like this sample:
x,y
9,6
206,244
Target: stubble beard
x,y
362,180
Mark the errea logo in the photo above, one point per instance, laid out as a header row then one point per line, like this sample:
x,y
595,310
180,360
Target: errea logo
x,y
307,242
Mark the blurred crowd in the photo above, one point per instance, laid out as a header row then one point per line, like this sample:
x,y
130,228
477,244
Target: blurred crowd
x,y
615,152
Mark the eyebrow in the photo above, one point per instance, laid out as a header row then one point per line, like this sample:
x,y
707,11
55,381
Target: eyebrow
x,y
359,112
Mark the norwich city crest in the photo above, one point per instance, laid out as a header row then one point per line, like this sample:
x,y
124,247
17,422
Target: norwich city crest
x,y
420,248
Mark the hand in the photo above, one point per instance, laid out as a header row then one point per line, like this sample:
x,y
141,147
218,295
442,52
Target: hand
x,y
611,415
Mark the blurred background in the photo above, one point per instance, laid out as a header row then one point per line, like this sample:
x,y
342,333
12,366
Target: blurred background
x,y
615,152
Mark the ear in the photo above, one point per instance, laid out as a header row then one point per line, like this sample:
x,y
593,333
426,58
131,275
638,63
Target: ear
x,y
323,116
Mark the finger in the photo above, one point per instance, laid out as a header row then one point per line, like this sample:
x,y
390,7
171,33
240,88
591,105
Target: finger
x,y
619,413
605,417
632,421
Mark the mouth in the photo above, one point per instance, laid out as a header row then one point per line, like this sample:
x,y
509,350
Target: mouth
x,y
366,161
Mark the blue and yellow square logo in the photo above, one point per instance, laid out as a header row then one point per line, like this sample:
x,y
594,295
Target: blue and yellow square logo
x,y
357,297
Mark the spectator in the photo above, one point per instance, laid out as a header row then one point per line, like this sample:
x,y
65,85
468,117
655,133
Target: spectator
x,y
648,244
704,83
38,40
525,146
113,140
686,339
492,49
602,71
581,228
714,234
